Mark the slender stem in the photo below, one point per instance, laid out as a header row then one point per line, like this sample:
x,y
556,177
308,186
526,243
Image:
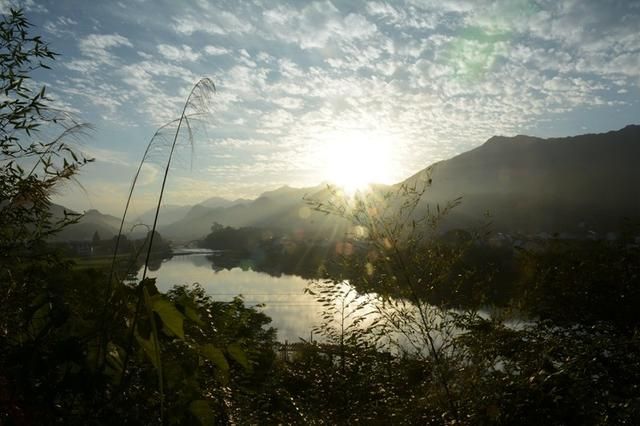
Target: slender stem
x,y
164,182
109,289
425,323
126,208
153,230
141,289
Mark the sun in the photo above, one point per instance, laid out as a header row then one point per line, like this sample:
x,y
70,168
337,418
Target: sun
x,y
356,159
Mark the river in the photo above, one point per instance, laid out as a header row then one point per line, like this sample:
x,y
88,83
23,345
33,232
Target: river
x,y
293,313
282,298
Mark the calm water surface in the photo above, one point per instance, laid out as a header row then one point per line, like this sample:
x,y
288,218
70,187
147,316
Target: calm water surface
x,y
292,312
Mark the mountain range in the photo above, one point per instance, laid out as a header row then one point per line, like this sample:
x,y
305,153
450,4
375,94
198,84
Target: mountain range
x,y
171,213
520,184
89,223
531,185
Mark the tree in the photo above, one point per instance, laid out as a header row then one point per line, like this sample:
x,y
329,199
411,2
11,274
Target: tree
x,y
35,155
216,227
61,358
400,260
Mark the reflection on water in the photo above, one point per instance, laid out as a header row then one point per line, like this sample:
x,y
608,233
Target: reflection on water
x,y
293,312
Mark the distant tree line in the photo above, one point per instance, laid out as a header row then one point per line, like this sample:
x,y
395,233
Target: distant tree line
x,y
106,247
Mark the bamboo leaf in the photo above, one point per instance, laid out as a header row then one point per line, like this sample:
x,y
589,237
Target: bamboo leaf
x,y
202,411
171,317
191,310
238,354
214,355
150,349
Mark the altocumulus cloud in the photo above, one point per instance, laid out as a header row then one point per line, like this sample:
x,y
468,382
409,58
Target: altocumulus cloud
x,y
436,77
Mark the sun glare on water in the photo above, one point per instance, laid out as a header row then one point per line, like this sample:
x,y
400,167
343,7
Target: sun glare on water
x,y
356,159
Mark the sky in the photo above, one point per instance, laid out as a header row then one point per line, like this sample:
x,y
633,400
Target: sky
x,y
297,81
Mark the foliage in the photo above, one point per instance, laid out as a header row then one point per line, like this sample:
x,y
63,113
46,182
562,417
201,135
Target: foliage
x,y
30,166
586,282
471,365
58,372
542,373
402,261
141,357
243,240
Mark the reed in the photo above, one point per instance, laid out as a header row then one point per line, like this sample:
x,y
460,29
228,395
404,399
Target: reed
x,y
196,104
198,100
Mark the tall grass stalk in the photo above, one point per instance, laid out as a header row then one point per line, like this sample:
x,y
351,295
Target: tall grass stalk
x,y
156,135
198,101
101,358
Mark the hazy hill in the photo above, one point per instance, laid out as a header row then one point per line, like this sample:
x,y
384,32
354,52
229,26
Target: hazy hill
x,y
168,214
283,208
216,202
173,213
106,225
526,184
532,184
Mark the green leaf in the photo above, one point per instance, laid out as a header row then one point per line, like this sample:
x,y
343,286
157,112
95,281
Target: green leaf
x,y
40,319
191,310
150,285
114,358
150,348
214,355
202,411
171,317
174,374
238,354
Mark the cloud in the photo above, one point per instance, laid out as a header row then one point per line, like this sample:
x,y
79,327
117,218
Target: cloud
x,y
103,95
27,5
107,156
211,20
146,78
178,54
403,16
288,102
437,76
60,26
216,50
148,174
96,50
315,25
96,46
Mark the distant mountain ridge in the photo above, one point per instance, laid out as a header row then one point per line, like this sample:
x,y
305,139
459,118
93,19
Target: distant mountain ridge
x,y
107,225
92,221
173,213
216,202
532,184
168,214
526,184
283,208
